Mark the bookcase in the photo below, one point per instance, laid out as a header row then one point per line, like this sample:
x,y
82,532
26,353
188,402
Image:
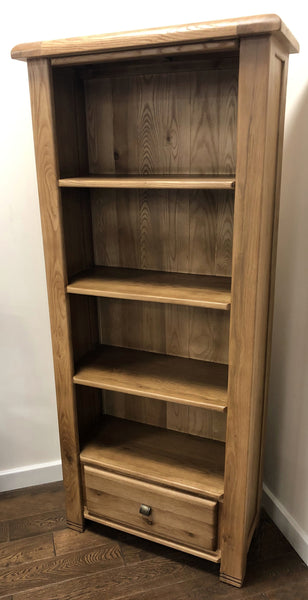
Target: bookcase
x,y
158,159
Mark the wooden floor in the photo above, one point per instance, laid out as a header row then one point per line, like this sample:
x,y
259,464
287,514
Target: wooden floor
x,y
41,559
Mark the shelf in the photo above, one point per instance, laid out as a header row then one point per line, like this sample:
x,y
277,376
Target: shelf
x,y
169,378
219,182
154,286
157,455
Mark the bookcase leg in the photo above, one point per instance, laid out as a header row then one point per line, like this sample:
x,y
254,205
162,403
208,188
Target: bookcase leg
x,y
224,578
235,578
76,526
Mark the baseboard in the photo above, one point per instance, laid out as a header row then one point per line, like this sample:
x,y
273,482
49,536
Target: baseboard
x,y
297,537
13,479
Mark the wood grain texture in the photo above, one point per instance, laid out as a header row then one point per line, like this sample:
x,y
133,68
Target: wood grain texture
x,y
67,539
26,550
84,325
77,230
147,53
77,227
158,456
36,524
189,332
175,231
137,284
52,570
178,417
70,124
181,183
173,124
194,32
29,501
4,531
145,576
284,75
47,174
186,381
118,499
258,119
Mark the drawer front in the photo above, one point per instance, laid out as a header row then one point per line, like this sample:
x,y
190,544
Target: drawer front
x,y
173,515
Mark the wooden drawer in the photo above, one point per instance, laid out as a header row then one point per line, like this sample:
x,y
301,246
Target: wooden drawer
x,y
174,516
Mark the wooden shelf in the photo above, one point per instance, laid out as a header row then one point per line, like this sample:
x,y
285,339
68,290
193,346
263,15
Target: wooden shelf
x,y
157,455
154,286
180,380
219,182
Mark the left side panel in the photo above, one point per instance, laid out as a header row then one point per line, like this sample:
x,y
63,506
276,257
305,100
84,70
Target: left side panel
x,y
45,141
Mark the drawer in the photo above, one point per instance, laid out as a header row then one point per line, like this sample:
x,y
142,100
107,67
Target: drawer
x,y
173,516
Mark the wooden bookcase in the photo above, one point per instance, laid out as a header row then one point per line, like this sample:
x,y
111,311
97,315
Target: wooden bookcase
x,y
158,160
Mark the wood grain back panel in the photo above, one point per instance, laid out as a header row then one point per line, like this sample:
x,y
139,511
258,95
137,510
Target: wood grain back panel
x,y
77,229
70,123
166,230
188,419
173,122
191,332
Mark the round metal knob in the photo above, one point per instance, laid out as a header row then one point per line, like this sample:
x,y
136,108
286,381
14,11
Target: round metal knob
x,y
145,510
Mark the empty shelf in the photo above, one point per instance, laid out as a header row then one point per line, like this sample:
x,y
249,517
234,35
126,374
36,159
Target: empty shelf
x,y
154,286
180,380
217,182
157,455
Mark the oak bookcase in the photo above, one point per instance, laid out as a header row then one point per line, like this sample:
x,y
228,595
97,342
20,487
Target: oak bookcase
x,y
158,161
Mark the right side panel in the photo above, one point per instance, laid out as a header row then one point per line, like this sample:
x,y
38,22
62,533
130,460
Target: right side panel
x,y
260,106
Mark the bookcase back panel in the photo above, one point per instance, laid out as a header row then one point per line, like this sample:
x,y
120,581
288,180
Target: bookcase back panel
x,y
171,122
191,332
77,229
188,419
84,325
188,231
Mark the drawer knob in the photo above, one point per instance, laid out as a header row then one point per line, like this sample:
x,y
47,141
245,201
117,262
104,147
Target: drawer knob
x,y
145,510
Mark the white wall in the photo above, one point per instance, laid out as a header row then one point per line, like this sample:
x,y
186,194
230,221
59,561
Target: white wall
x,y
29,449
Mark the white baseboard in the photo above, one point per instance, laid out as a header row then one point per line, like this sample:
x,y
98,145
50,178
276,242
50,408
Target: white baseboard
x,y
297,537
21,477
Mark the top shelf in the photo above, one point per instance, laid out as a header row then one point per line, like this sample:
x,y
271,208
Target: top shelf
x,y
213,182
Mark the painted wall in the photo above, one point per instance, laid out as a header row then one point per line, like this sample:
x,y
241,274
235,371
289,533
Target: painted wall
x,y
29,448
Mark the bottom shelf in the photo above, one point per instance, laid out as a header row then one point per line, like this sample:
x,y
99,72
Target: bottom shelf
x,y
155,455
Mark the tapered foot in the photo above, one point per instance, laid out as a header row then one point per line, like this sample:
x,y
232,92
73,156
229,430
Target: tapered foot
x,y
231,580
76,526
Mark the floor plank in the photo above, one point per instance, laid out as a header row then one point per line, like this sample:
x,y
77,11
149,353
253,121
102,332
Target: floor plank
x,y
4,531
293,590
26,550
116,584
268,542
186,590
29,501
37,524
59,569
66,539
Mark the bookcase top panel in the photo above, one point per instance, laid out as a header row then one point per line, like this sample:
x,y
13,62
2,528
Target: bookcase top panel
x,y
205,32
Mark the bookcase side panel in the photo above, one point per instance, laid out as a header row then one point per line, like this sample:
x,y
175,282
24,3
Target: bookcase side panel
x,y
259,107
41,93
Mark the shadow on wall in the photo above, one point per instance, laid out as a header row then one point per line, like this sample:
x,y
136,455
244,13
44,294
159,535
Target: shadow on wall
x,y
286,459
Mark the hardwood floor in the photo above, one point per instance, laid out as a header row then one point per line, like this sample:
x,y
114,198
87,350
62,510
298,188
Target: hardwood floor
x,y
40,559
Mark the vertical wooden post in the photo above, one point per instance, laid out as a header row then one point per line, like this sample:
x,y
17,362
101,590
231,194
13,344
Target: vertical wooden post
x,y
260,106
41,92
